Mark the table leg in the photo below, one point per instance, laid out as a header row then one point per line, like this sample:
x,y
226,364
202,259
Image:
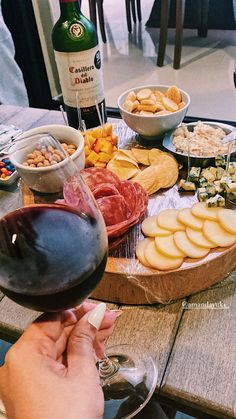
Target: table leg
x,y
165,6
179,21
204,9
128,15
133,10
138,6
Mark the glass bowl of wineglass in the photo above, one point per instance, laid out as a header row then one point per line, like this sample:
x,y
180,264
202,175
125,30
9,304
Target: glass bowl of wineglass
x,y
52,256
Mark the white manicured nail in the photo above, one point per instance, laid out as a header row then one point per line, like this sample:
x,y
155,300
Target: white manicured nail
x,y
96,315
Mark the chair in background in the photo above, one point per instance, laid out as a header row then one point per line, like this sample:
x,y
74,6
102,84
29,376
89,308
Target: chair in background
x,y
132,7
203,8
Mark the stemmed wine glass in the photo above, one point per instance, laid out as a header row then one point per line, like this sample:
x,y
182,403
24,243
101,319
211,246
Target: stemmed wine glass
x,y
53,255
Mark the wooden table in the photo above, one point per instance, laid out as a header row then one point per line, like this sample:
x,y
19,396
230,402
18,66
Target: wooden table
x,y
192,342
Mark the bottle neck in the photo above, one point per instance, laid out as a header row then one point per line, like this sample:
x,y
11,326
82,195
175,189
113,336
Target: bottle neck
x,y
70,8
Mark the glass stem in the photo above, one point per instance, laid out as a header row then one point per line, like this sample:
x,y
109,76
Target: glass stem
x,y
107,368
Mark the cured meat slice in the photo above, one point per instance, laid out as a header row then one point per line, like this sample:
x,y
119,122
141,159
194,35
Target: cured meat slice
x,y
122,203
113,209
128,191
142,198
94,176
104,189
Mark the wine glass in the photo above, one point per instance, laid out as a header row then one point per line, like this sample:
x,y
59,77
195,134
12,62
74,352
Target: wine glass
x,y
53,255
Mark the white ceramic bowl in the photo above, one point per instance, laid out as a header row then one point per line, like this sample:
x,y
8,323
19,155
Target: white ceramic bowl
x,y
47,179
152,127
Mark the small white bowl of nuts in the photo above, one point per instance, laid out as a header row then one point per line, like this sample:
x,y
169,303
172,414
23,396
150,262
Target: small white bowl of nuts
x,y
41,163
153,110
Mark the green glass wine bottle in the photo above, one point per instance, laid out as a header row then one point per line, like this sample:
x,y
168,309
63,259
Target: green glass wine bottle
x,y
79,65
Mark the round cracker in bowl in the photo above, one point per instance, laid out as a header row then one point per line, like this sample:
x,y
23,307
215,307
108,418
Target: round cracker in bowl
x,y
204,139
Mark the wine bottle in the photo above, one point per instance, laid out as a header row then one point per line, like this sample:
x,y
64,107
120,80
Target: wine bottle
x,y
78,60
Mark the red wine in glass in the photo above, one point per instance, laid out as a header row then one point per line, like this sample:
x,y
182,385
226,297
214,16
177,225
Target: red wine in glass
x,y
51,256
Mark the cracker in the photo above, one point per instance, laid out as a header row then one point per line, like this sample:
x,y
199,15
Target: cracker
x,y
123,169
144,94
141,155
169,104
174,94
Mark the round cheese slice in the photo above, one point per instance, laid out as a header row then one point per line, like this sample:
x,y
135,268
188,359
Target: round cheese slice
x,y
201,210
217,234
227,219
188,247
198,238
150,227
186,217
141,246
168,219
160,261
167,246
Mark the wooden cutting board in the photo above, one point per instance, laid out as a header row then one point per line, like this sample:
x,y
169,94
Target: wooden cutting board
x,y
126,281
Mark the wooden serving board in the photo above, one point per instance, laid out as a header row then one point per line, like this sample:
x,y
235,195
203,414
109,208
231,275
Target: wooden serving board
x,y
126,281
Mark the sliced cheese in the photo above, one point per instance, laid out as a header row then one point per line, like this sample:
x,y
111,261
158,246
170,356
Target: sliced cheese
x,y
167,246
227,219
168,219
185,216
217,234
198,238
201,210
141,246
159,261
188,247
150,227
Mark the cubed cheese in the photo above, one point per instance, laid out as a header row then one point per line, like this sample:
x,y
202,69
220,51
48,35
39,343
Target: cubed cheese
x,y
211,189
184,185
208,174
194,174
220,172
216,201
220,161
202,194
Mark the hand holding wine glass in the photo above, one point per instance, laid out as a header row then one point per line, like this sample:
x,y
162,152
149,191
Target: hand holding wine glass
x,y
58,352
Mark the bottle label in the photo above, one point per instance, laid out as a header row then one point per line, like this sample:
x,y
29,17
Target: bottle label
x,y
80,72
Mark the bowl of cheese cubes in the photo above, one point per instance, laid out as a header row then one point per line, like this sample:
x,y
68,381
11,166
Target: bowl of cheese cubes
x,y
153,110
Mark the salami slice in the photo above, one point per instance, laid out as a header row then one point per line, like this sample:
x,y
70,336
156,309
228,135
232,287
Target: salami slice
x,y
122,203
94,176
142,198
104,189
113,209
128,191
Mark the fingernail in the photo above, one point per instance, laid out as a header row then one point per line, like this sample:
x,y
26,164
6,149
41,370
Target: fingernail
x,y
95,316
117,312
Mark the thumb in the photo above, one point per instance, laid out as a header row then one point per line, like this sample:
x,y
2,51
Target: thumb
x,y
80,348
